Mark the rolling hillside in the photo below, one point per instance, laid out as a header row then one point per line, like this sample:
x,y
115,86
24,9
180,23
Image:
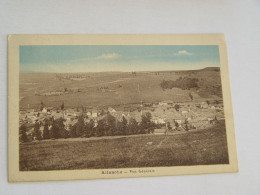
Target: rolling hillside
x,y
114,88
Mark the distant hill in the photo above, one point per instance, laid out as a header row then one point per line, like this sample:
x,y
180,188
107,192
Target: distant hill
x,y
211,69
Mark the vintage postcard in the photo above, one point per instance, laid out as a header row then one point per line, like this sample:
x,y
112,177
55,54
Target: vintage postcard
x,y
115,106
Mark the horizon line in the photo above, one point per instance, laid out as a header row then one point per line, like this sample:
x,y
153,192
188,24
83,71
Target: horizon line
x,y
123,71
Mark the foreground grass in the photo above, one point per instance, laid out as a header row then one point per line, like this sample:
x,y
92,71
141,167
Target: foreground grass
x,y
193,148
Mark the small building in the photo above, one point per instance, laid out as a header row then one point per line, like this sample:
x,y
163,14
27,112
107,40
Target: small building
x,y
111,110
163,104
178,121
44,110
204,105
161,121
158,121
94,114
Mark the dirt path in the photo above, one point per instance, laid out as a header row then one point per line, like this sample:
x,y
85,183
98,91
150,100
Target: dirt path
x,y
110,82
119,136
107,137
98,138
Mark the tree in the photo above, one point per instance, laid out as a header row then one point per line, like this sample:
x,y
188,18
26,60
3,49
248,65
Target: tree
x,y
177,107
133,126
191,96
64,133
176,124
42,105
58,129
101,127
182,83
46,134
54,132
119,128
72,131
90,128
23,129
110,125
80,126
169,125
124,126
36,131
186,124
102,112
78,129
146,125
62,106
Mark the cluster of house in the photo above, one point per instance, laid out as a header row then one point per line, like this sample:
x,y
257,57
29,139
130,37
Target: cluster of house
x,y
70,116
164,113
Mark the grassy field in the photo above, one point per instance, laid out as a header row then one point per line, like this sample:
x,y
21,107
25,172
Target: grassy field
x,y
90,94
203,147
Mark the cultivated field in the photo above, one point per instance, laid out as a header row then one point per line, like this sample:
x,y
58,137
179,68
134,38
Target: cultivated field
x,y
202,147
113,88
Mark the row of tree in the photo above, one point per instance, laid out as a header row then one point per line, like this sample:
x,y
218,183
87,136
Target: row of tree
x,y
107,126
57,130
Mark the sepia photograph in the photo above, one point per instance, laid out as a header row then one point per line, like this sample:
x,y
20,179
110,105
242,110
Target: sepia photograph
x,y
127,106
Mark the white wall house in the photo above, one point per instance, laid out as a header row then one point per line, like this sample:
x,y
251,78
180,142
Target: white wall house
x,y
44,110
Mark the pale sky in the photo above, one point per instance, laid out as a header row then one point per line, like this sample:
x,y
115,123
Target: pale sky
x,y
98,58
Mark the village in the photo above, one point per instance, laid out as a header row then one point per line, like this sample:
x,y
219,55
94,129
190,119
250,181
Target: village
x,y
168,117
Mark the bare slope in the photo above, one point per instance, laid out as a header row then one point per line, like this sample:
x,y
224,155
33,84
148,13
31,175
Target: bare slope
x,y
193,148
